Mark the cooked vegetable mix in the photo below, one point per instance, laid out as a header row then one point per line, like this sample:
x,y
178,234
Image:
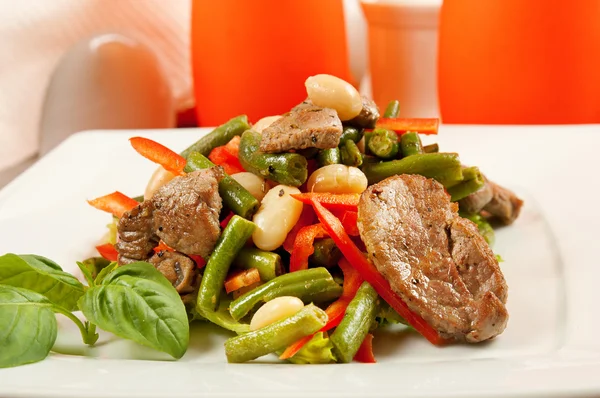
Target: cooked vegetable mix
x,y
284,233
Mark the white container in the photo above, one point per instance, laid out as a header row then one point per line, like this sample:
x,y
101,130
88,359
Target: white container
x,y
403,37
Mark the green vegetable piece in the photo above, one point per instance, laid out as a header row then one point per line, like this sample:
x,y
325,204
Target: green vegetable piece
x,y
392,109
284,168
411,144
350,154
485,228
268,264
275,336
310,285
234,195
350,133
317,351
41,275
431,148
326,253
231,241
473,181
27,326
353,328
383,143
219,136
104,272
222,318
387,315
329,156
444,167
138,303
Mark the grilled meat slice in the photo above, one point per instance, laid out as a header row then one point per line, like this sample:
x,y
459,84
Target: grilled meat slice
x,y
367,118
136,234
179,269
499,202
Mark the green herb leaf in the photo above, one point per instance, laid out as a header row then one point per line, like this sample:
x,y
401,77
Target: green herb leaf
x,y
105,272
87,274
43,276
137,302
27,326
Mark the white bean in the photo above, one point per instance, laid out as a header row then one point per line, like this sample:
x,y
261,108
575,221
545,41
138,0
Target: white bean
x,y
277,214
329,91
254,184
159,178
265,122
275,310
337,178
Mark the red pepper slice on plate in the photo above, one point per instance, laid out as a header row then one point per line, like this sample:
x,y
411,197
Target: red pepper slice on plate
x,y
368,271
222,157
159,153
108,251
349,221
402,125
233,146
115,203
307,217
332,201
242,279
365,352
303,246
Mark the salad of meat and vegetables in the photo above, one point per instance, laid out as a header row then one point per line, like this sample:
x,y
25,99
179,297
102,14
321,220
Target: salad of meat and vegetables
x,y
302,234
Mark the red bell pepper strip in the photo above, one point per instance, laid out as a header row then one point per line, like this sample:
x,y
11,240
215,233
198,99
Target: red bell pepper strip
x,y
365,352
115,203
370,274
159,153
226,220
222,157
233,146
336,310
307,217
349,219
303,246
200,262
163,247
332,201
402,125
242,279
108,251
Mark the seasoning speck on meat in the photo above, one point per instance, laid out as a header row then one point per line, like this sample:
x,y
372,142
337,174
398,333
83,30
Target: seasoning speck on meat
x,y
436,261
136,234
186,215
307,127
179,269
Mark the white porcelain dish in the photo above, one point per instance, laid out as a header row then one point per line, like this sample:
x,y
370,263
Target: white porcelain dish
x,y
550,348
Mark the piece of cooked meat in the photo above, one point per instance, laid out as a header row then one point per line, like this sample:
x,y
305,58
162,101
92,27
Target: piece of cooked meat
x,y
500,202
186,212
179,269
435,260
476,201
136,234
311,127
306,104
367,118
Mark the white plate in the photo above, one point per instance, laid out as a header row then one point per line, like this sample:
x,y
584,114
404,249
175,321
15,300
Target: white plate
x,y
550,348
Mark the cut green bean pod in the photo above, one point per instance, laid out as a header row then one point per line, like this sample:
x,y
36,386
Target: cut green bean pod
x,y
410,144
353,328
234,195
350,133
232,239
383,143
222,318
472,182
326,253
392,109
329,156
310,285
431,148
275,336
219,136
350,154
284,168
268,264
443,167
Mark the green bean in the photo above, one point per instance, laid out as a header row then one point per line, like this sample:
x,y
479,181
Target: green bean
x,y
367,138
484,227
351,133
284,168
219,136
326,253
353,328
275,336
222,318
410,144
444,167
472,182
268,264
329,156
383,143
392,109
234,195
350,154
232,239
314,284
431,148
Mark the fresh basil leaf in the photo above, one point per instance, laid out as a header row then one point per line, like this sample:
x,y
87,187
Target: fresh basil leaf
x,y
105,272
95,265
43,276
138,303
27,326
87,274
